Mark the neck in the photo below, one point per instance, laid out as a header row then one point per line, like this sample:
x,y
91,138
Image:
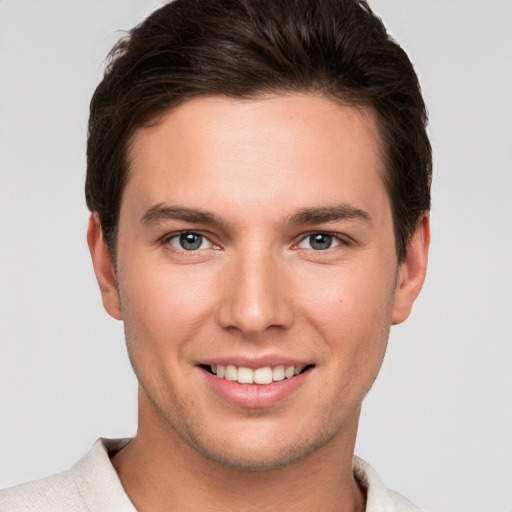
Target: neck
x,y
160,472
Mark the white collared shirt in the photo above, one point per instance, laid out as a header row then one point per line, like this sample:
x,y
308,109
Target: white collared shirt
x,y
92,485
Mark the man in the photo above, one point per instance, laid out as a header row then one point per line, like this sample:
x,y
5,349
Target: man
x,y
258,180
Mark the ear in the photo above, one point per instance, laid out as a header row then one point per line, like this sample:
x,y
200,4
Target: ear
x,y
103,268
412,271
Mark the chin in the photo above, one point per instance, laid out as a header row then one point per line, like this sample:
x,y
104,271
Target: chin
x,y
258,461
258,455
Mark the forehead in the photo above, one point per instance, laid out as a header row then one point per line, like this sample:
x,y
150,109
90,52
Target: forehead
x,y
300,149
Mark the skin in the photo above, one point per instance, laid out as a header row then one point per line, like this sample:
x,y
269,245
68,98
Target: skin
x,y
257,287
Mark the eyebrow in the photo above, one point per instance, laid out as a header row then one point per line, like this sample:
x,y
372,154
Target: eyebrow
x,y
161,213
329,214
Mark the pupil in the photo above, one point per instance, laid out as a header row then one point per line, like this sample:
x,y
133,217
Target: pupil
x,y
190,241
321,241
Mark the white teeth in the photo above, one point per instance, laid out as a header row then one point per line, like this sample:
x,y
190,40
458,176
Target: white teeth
x,y
289,372
246,375
231,372
278,373
265,375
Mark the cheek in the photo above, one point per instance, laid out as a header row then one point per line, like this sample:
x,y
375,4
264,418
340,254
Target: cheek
x,y
351,310
357,295
163,306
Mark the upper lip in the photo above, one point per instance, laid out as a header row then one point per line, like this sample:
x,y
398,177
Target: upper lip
x,y
255,362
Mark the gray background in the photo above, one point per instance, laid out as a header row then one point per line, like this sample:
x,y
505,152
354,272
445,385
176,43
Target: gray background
x,y
437,425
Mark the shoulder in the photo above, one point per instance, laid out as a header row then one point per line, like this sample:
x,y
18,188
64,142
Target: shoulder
x,y
378,497
90,485
56,493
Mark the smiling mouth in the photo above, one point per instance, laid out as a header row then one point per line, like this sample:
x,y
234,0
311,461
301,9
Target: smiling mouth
x,y
263,376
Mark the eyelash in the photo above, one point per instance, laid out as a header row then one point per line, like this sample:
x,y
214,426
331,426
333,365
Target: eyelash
x,y
339,241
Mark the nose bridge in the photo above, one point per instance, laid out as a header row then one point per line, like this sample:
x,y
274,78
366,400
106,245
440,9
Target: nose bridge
x,y
255,296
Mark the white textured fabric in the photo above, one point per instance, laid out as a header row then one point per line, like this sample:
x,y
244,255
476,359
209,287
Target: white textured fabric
x,y
378,497
92,485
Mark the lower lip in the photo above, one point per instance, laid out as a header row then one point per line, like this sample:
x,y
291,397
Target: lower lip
x,y
255,396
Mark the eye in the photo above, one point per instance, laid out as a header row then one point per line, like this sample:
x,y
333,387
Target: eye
x,y
189,241
319,241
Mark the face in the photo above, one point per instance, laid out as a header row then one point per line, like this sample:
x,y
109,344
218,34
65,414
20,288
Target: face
x,y
257,274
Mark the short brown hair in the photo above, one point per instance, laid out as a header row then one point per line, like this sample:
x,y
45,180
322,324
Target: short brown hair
x,y
248,48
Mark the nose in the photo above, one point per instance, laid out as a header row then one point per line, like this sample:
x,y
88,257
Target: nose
x,y
256,295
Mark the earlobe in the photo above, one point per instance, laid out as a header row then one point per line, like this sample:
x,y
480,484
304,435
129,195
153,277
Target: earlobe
x,y
412,272
103,268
